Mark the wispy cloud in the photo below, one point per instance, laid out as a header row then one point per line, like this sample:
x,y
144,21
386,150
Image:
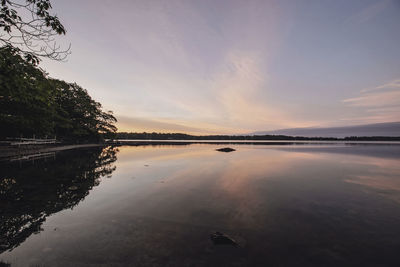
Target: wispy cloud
x,y
381,103
375,99
145,124
233,66
368,13
229,102
238,87
395,84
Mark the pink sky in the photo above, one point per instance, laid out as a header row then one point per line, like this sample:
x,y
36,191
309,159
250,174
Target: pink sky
x,y
235,66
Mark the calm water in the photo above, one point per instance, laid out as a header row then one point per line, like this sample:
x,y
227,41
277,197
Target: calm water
x,y
286,205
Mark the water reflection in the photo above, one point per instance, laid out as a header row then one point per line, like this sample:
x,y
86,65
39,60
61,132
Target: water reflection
x,y
31,191
284,205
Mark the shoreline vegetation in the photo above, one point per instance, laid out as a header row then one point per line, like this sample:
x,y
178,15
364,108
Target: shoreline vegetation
x,y
29,151
55,113
34,104
181,136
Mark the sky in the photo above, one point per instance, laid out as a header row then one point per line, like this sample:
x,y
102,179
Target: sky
x,y
234,67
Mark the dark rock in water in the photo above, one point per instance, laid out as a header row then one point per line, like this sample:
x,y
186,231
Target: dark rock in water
x,y
225,149
220,239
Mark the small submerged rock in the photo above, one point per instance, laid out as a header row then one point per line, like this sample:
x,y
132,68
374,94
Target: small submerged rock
x,y
73,188
221,239
226,149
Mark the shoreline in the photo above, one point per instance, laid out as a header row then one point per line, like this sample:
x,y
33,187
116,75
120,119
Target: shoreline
x,y
38,151
134,142
9,153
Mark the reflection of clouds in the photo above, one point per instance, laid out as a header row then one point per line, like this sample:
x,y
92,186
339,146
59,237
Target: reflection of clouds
x,y
377,181
185,154
183,164
196,184
378,163
240,172
379,174
239,178
197,179
160,153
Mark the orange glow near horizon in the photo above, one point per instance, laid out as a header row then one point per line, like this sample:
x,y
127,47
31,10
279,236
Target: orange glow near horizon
x,y
188,127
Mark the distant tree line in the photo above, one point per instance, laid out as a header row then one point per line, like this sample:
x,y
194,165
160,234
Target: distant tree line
x,y
181,136
31,103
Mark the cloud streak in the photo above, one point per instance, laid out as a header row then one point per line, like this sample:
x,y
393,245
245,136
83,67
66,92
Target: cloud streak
x,y
238,89
233,66
368,13
379,104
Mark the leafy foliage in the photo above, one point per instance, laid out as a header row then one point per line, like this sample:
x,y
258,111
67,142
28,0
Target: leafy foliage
x,y
78,115
32,103
31,34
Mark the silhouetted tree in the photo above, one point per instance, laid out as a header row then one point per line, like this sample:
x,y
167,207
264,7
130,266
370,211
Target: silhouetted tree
x,y
26,97
78,115
32,103
30,30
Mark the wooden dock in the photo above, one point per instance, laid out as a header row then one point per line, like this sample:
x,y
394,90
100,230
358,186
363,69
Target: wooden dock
x,y
30,141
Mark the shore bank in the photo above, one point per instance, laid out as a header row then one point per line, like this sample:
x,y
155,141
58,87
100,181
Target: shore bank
x,y
10,152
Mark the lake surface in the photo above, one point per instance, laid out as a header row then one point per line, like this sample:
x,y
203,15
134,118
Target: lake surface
x,y
285,205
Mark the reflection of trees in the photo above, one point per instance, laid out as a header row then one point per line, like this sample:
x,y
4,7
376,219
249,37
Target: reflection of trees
x,y
31,192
